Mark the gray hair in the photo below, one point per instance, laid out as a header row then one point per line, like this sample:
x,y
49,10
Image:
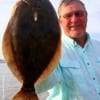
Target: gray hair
x,y
67,2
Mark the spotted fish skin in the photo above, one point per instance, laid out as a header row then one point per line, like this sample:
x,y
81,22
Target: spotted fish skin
x,y
31,44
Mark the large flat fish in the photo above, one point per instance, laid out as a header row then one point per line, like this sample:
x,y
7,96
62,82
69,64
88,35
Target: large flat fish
x,y
31,44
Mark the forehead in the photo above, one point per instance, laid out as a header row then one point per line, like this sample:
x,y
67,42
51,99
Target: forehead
x,y
73,6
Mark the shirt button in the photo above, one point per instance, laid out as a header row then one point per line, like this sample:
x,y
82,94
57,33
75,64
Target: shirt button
x,y
88,63
84,51
99,93
93,78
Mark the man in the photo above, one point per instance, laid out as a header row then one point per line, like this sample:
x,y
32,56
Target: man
x,y
77,76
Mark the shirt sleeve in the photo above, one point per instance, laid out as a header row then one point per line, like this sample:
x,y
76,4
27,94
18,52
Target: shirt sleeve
x,y
49,82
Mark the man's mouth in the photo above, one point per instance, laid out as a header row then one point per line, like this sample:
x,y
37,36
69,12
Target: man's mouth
x,y
74,27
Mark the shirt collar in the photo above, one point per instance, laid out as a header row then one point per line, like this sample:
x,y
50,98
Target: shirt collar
x,y
73,43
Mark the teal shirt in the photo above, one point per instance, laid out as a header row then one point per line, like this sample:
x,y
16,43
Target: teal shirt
x,y
77,76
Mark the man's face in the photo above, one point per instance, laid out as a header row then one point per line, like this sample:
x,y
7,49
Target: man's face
x,y
73,19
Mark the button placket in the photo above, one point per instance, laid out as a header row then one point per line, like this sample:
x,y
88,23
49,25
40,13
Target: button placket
x,y
91,72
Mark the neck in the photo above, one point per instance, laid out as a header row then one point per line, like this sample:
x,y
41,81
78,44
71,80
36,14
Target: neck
x,y
81,41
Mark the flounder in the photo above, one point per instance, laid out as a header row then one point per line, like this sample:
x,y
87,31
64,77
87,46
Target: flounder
x,y
31,44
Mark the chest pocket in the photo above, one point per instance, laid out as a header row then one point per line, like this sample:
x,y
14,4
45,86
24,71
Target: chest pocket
x,y
71,68
73,74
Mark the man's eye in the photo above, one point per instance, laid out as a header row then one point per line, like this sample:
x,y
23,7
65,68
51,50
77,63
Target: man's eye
x,y
67,16
76,14
79,14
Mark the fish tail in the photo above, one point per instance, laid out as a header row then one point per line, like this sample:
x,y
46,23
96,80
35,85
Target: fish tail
x,y
25,95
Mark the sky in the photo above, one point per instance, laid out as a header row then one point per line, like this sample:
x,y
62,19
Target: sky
x,y
92,6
